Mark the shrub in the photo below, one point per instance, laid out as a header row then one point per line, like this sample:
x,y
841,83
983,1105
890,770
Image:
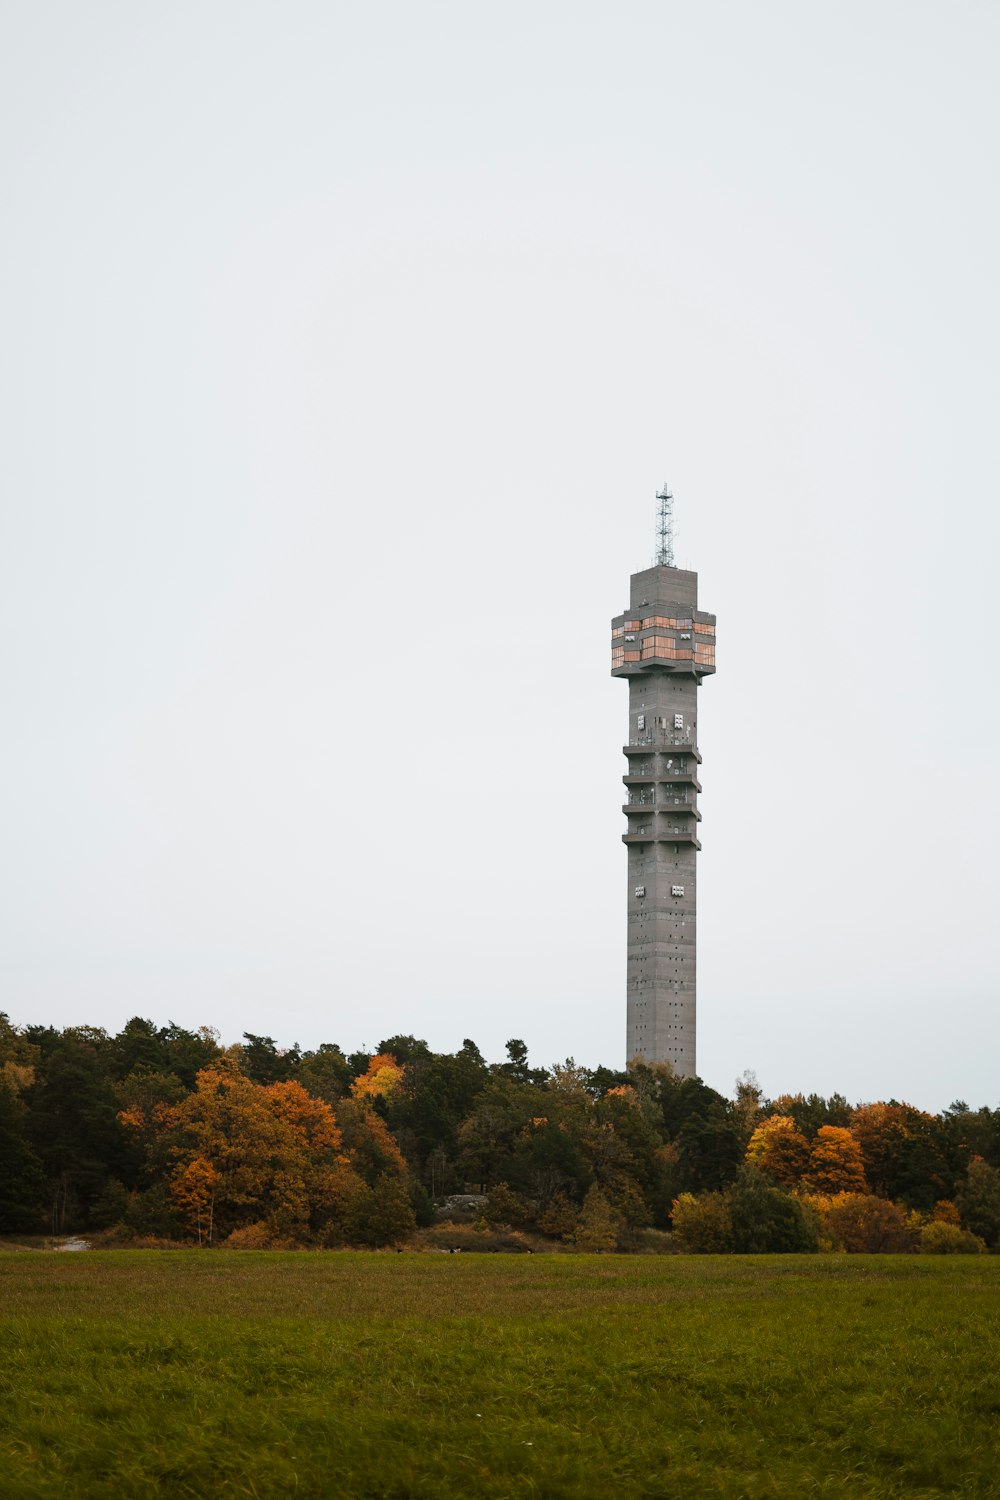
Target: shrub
x,y
652,1242
110,1206
482,1241
421,1203
942,1238
259,1236
862,1224
559,1218
702,1225
504,1207
766,1221
154,1214
380,1215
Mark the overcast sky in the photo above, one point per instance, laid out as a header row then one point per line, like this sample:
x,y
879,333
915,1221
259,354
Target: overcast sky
x,y
344,348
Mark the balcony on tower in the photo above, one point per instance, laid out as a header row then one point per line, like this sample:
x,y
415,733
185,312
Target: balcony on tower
x,y
661,812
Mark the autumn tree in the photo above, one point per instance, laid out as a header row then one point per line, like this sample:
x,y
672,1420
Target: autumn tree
x,y
380,1080
861,1223
902,1156
779,1149
193,1188
239,1153
368,1142
835,1164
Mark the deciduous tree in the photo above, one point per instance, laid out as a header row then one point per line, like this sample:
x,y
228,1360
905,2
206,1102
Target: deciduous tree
x,y
860,1223
779,1149
835,1164
701,1224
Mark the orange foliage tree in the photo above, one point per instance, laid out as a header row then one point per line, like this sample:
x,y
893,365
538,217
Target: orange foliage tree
x,y
238,1153
835,1164
193,1187
901,1153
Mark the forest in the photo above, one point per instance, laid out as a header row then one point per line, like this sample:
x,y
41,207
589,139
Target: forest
x,y
161,1135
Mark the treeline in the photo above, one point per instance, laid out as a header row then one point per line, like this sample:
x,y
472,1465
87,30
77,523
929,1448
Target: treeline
x,y
163,1134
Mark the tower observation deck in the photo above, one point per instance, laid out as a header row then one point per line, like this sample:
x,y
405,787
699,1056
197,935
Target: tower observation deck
x,y
663,645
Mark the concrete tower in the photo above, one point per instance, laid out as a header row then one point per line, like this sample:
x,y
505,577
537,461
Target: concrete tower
x,y
664,645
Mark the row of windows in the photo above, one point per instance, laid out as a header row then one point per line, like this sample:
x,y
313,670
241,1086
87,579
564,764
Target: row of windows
x,y
664,622
664,645
661,622
646,796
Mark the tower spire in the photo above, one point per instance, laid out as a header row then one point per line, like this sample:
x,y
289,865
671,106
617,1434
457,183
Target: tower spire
x,y
665,528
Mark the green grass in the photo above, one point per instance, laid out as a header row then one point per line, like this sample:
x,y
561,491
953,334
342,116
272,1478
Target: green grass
x,y
139,1373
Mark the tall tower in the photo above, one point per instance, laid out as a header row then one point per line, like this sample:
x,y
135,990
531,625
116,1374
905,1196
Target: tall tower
x,y
664,645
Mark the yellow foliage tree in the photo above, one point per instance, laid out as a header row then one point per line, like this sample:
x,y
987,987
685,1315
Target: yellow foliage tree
x,y
383,1077
701,1224
779,1149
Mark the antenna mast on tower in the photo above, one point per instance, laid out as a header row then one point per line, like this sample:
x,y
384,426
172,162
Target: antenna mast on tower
x,y
665,528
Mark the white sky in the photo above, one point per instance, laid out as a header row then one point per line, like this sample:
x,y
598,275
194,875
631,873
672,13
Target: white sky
x,y
344,348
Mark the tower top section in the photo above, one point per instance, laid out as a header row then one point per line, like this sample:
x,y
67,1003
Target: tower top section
x,y
663,629
664,528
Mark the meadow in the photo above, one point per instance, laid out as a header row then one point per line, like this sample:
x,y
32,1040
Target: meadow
x,y
144,1373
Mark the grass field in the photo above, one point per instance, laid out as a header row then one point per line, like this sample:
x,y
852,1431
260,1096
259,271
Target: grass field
x,y
144,1373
